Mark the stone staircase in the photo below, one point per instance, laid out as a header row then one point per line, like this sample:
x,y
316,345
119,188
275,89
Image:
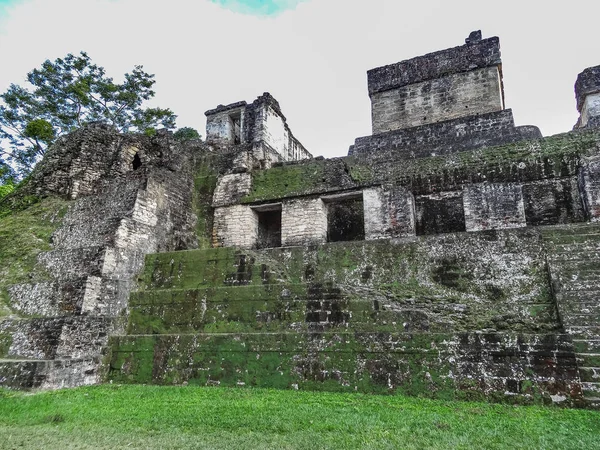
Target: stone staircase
x,y
573,254
79,290
345,317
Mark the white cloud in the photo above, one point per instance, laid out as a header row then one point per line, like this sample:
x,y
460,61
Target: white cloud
x,y
312,59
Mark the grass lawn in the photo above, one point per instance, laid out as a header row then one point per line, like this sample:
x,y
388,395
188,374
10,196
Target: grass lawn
x,y
113,416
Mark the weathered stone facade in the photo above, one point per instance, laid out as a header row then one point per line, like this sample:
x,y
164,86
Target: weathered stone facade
x,y
450,254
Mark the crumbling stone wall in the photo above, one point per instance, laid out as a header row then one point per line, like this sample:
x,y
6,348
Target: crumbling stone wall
x,y
261,126
587,93
121,213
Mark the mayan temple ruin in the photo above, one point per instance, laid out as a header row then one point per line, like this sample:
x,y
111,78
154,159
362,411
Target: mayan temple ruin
x,y
451,254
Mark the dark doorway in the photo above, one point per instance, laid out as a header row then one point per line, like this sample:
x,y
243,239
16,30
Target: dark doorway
x,y
137,162
440,213
552,202
269,228
345,219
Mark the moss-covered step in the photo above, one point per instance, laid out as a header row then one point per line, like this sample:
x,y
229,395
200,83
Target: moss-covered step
x,y
549,157
313,306
427,364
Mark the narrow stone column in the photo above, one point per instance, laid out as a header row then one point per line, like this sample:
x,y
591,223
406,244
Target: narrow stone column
x,y
587,93
493,206
303,221
589,180
389,212
235,226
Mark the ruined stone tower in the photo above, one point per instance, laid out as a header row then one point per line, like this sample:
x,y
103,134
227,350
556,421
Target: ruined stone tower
x,y
450,254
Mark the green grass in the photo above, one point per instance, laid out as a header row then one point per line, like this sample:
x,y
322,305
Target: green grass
x,y
113,416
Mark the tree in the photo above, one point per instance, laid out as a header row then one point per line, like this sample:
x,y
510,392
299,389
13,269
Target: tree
x,y
185,134
7,182
66,94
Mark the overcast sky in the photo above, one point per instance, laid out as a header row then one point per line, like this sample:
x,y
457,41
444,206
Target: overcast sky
x,y
311,55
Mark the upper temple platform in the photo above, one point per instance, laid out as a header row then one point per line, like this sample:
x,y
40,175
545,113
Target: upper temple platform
x,y
441,102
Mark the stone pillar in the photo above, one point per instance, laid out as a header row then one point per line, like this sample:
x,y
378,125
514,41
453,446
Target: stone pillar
x,y
493,206
589,180
235,226
303,221
587,94
389,212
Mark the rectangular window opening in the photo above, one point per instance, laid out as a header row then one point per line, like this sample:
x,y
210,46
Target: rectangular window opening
x,y
236,127
345,218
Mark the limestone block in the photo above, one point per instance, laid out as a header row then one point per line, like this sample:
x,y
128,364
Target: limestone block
x,y
389,212
235,226
492,206
231,188
303,221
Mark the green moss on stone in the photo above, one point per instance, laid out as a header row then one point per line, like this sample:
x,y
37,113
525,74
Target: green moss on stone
x,y
24,234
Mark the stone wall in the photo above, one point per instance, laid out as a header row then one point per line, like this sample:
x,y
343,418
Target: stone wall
x,y
389,212
493,206
449,136
235,226
303,222
452,96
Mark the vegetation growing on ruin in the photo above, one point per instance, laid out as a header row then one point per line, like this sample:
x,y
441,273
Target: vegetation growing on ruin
x,y
288,180
114,416
554,156
205,182
23,234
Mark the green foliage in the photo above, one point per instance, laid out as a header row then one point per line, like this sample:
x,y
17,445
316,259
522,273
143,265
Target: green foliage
x,y
64,95
6,189
114,416
186,134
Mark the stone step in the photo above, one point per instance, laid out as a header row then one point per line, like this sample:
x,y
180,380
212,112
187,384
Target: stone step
x,y
48,298
55,337
299,307
368,362
578,238
577,307
556,231
572,256
591,390
89,233
206,268
590,374
73,263
568,286
588,359
588,267
48,373
588,297
587,345
583,332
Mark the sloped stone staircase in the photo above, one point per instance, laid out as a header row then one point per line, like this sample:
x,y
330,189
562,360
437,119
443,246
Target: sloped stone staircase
x,y
574,266
79,289
351,317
